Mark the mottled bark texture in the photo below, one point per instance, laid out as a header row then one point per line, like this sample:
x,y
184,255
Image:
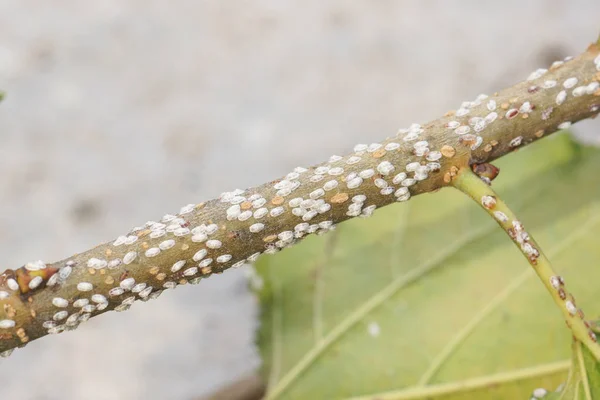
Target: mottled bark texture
x,y
45,298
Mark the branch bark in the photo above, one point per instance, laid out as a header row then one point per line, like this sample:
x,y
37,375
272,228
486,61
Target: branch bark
x,y
206,238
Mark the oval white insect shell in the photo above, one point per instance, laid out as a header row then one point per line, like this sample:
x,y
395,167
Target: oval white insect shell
x,y
408,182
157,234
60,302
385,168
403,198
315,194
462,112
60,315
561,97
214,244
190,271
245,215
321,170
284,192
64,272
301,227
365,174
252,258
500,216
260,213
399,178
353,160
199,255
323,208
145,292
224,258
380,183
564,125
434,155
255,228
411,167
570,82
571,307
411,136
374,147
7,324
199,237
72,320
359,198
84,286
478,143
516,141
129,257
354,183
152,252
131,239
525,108
50,324
310,214
329,185
127,283
98,298
167,244
295,202
538,73
317,178
461,130
592,87
138,287
12,284
35,282
117,291
392,146
211,228
401,191
80,303
205,263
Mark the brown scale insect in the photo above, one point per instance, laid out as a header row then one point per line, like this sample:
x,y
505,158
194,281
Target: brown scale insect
x,y
486,171
562,294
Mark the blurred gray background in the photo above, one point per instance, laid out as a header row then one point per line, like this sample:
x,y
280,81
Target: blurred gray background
x,y
119,111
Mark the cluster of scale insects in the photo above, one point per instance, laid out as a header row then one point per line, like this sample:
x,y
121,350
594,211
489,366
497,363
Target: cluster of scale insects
x,y
241,225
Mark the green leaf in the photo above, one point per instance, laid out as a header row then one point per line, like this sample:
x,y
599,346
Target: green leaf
x,y
429,299
583,382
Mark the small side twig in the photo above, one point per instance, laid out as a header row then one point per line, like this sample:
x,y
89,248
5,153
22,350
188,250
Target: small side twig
x,y
472,185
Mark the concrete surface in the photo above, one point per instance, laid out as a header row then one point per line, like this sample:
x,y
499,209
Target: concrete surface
x,y
121,110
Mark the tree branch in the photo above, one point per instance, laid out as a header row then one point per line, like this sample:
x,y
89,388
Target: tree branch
x,y
210,237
